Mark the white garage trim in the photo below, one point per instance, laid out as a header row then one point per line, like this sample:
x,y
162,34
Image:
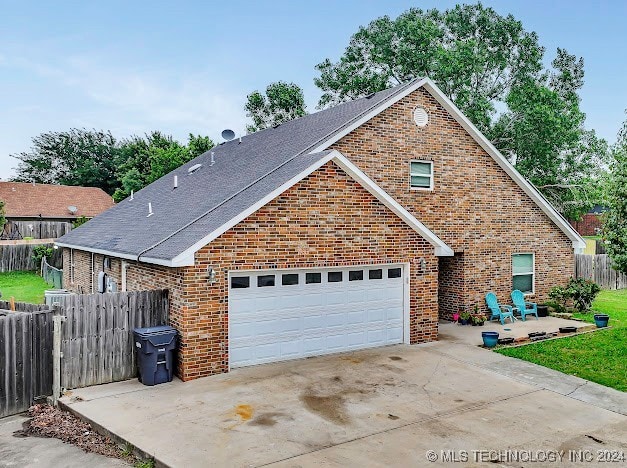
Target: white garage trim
x,y
275,323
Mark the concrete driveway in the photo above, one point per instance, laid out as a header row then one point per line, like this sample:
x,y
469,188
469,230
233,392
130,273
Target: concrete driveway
x,y
381,407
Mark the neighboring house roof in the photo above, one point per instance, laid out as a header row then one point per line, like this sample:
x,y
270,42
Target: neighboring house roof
x,y
27,200
246,172
190,216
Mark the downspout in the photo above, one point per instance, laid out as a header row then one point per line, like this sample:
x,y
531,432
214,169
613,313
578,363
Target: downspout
x,y
124,267
92,272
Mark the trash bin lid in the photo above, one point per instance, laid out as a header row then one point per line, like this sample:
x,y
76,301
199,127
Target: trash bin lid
x,y
158,330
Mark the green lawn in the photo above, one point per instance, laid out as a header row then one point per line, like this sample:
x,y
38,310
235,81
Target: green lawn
x,y
25,286
598,356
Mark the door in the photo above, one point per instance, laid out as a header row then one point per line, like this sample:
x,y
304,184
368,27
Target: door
x,y
276,315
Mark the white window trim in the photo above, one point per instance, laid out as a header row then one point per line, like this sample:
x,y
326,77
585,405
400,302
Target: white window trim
x,y
431,176
532,273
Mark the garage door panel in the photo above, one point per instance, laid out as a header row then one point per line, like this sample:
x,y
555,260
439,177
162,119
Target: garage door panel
x,y
298,319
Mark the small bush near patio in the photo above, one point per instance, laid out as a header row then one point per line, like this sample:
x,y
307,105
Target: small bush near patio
x,y
24,286
597,356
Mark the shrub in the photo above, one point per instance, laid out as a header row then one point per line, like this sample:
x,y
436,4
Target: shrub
x,y
41,251
581,292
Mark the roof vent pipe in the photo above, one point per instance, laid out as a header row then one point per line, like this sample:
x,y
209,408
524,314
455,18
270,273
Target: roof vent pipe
x,y
240,139
176,181
132,198
150,213
213,161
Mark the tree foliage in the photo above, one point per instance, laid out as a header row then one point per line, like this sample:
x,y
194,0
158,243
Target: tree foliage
x,y
282,102
3,219
615,225
93,158
491,68
76,157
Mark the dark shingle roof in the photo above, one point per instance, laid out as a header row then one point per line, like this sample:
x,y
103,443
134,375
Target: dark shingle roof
x,y
244,172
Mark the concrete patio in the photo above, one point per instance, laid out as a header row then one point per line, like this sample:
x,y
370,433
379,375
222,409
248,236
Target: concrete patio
x,y
468,334
380,407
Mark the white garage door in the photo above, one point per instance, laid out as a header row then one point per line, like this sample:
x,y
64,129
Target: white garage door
x,y
285,314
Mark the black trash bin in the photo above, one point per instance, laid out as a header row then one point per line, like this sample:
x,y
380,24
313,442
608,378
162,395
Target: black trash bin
x,y
155,354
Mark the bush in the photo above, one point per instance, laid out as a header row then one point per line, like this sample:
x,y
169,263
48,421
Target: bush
x,y
40,252
579,291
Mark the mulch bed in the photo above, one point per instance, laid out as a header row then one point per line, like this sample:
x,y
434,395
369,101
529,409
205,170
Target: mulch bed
x,y
48,421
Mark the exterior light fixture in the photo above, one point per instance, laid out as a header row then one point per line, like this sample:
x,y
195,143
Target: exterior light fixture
x,y
423,264
211,275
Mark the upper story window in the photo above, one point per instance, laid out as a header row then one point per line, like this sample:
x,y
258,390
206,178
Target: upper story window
x,y
421,175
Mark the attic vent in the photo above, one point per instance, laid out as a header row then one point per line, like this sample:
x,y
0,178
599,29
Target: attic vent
x,y
421,117
194,168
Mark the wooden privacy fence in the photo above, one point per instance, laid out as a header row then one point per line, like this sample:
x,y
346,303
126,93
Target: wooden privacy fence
x,y
20,257
97,334
43,229
95,339
25,359
598,268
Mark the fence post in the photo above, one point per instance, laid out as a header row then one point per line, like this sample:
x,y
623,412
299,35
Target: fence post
x,y
57,320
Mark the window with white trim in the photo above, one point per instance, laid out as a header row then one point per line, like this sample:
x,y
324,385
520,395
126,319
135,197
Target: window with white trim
x,y
523,270
421,175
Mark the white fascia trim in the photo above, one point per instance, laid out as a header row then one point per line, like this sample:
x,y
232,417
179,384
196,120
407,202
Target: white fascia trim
x,y
366,117
441,249
577,241
530,190
109,253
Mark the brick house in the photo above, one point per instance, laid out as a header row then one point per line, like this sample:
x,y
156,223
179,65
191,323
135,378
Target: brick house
x,y
357,226
46,210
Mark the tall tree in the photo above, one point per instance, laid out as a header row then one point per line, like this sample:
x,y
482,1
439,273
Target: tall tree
x,y
76,157
473,54
282,102
615,225
491,67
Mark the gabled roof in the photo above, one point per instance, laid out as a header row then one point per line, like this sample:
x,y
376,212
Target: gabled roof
x,y
245,173
250,190
26,200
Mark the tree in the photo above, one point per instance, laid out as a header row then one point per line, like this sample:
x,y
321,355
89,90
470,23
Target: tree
x,y
473,54
281,103
615,225
3,219
542,133
491,67
76,157
150,158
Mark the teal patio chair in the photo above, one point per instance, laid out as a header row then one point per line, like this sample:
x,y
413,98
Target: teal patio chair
x,y
500,312
525,308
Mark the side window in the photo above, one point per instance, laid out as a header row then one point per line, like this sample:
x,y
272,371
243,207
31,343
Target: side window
x,y
421,175
289,279
523,272
356,275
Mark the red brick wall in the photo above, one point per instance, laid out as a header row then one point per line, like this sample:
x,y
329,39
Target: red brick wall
x,y
589,225
77,271
474,207
325,220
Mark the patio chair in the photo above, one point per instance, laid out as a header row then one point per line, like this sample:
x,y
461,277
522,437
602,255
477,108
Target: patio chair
x,y
500,312
525,308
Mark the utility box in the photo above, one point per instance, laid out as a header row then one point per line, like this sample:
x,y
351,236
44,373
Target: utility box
x,y
155,354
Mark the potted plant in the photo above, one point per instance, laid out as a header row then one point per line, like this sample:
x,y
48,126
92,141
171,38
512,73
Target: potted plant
x,y
490,339
464,318
601,320
479,320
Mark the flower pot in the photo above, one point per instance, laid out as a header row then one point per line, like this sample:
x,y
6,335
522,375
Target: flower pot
x,y
543,311
601,320
463,321
481,324
490,339
568,329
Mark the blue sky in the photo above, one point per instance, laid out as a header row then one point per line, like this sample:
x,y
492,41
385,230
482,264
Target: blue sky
x,y
184,66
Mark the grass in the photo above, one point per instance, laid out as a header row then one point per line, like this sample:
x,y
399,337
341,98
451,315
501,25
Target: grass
x,y
24,286
598,356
